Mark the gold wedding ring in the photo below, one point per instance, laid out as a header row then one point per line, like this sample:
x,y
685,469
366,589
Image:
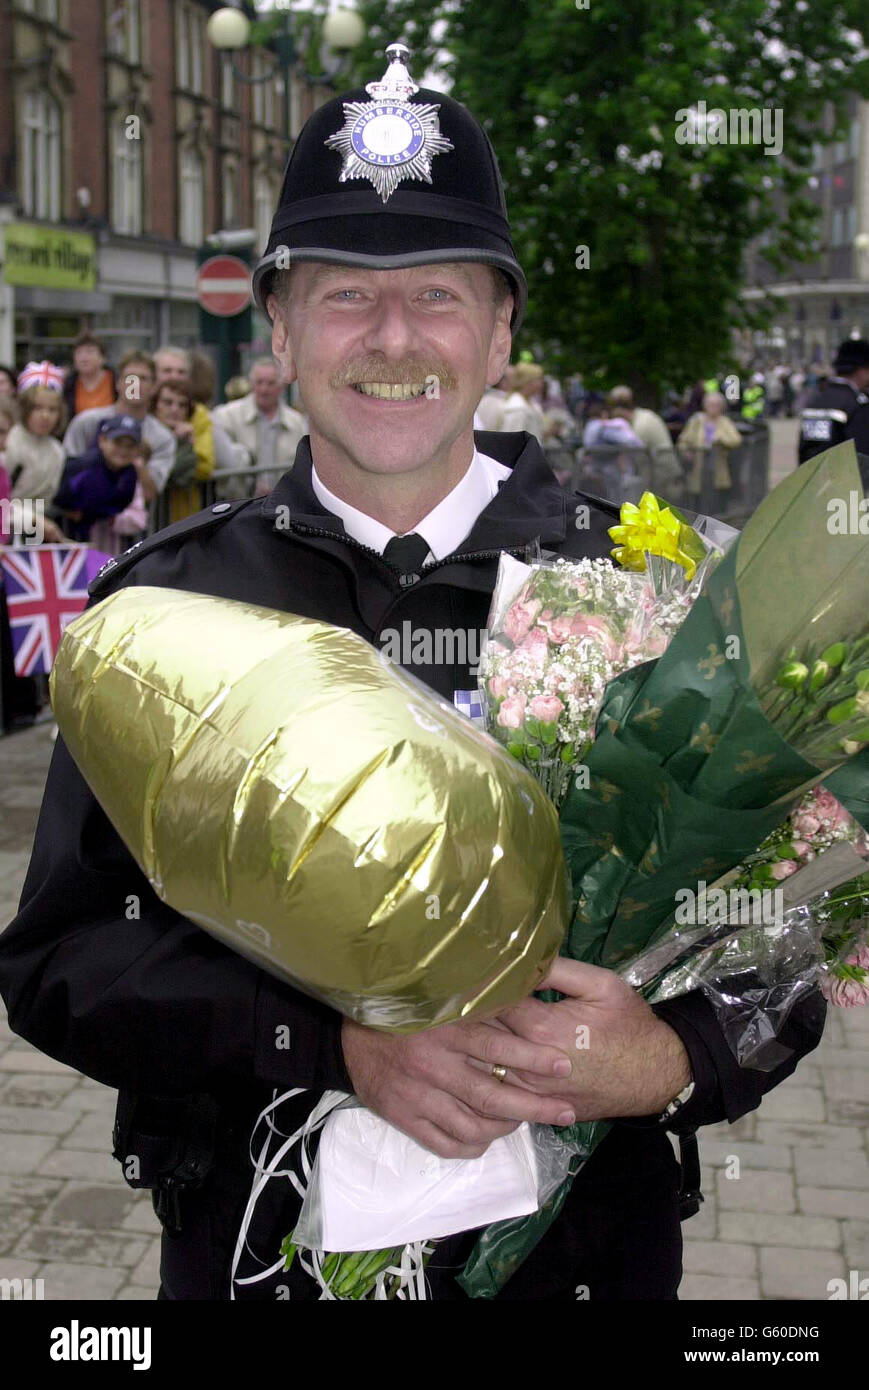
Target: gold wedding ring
x,y
500,1072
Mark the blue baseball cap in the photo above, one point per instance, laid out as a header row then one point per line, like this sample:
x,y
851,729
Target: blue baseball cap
x,y
117,425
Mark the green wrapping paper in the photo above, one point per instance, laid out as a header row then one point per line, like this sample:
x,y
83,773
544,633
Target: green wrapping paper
x,y
850,785
682,786
313,806
686,774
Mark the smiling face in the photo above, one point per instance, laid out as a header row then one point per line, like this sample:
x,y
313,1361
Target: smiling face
x,y
171,407
391,363
118,450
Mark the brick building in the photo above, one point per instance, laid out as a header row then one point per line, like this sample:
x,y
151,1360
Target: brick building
x,y
125,140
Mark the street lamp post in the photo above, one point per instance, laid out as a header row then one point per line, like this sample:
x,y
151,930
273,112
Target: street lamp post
x,y
230,29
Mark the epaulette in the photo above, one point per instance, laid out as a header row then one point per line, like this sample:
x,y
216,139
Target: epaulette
x,y
603,504
201,521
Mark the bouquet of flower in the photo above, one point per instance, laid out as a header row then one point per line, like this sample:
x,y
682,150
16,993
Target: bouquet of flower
x,y
700,755
556,643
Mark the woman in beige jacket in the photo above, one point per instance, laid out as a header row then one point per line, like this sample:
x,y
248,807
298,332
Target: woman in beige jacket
x,y
709,428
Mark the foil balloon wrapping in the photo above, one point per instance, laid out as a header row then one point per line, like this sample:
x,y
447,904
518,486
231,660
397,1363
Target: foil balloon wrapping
x,y
319,810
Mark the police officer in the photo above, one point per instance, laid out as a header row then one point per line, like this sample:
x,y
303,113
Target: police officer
x,y
753,399
383,277
837,410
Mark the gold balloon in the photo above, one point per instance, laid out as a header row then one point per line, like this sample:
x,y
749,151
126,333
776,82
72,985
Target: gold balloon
x,y
319,810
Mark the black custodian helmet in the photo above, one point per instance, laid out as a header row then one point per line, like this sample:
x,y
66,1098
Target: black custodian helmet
x,y
390,176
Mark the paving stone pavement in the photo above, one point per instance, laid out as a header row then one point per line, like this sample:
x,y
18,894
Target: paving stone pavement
x,y
787,1187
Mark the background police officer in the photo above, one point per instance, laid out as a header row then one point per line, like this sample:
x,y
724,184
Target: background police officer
x,y
837,410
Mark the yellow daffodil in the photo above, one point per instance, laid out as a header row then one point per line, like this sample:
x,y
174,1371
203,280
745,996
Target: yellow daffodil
x,y
651,528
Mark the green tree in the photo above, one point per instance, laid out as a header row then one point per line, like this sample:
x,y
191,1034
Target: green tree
x,y
582,106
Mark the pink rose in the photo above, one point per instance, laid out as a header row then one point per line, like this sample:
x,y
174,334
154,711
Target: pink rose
x,y
511,715
783,868
829,809
803,849
806,824
845,994
557,629
536,644
860,957
546,708
590,625
519,618
497,686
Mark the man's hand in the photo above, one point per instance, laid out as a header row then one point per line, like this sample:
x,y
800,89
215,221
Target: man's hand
x,y
626,1061
438,1086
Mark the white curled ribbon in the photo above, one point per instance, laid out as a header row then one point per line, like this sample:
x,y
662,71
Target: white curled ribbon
x,y
265,1171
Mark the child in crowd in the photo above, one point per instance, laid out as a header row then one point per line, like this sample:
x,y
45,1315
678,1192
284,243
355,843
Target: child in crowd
x,y
114,534
100,482
34,457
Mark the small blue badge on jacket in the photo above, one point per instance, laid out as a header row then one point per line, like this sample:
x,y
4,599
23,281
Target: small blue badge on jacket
x,y
470,704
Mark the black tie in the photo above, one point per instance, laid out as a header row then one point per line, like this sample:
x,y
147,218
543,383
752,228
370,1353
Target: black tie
x,y
407,552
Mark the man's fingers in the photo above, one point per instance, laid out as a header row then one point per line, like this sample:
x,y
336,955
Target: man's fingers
x,y
501,1047
437,1141
463,1124
530,1021
502,1101
578,980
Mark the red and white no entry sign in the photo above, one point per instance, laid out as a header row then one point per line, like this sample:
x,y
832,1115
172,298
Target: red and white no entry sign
x,y
223,286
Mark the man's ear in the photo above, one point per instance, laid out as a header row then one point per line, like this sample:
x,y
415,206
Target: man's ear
x,y
281,346
502,343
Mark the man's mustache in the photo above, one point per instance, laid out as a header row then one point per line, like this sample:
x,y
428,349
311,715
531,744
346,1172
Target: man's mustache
x,y
415,372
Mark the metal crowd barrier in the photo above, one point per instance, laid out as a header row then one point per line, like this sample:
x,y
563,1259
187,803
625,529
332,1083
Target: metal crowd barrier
x,y
224,485
622,475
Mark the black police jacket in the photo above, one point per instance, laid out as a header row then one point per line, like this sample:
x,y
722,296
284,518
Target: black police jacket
x,y
833,413
151,1004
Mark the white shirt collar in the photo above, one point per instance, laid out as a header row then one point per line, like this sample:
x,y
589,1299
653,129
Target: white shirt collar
x,y
446,525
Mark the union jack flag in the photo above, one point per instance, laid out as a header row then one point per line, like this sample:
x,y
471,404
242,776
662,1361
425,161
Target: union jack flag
x,y
41,374
46,587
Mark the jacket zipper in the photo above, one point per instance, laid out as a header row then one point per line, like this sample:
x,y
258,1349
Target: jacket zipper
x,y
450,559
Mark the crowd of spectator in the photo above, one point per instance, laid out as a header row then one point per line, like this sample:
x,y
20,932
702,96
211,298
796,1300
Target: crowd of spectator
x,y
105,453
102,454
606,442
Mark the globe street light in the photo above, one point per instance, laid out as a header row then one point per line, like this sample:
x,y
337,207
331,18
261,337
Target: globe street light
x,y
343,30
229,29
